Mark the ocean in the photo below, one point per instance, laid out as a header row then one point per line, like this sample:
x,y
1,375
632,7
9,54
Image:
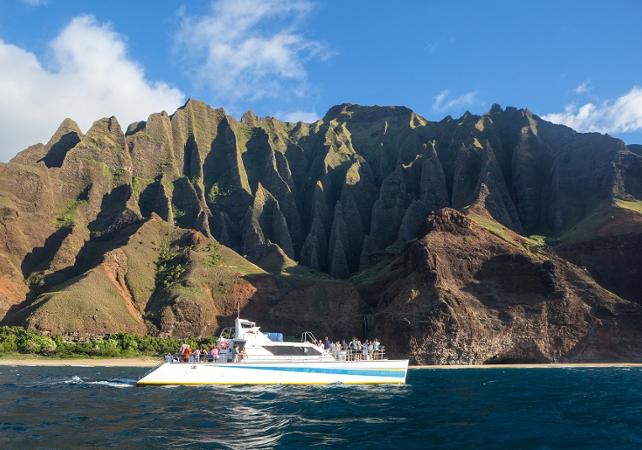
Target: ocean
x,y
81,407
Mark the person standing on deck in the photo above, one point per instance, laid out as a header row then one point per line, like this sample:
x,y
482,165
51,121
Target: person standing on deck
x,y
333,349
187,351
376,345
354,347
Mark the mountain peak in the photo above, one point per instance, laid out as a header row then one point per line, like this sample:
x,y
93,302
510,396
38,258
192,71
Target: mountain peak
x,y
361,113
249,118
495,109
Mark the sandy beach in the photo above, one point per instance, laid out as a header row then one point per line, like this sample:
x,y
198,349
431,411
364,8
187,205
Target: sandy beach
x,y
89,362
151,362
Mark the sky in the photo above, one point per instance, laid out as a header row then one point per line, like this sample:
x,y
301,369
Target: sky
x,y
572,62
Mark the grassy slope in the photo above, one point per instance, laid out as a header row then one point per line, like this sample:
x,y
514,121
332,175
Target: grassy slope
x,y
94,303
534,245
632,205
89,301
615,216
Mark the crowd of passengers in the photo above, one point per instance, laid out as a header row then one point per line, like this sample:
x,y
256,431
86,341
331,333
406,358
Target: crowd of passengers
x,y
355,350
221,353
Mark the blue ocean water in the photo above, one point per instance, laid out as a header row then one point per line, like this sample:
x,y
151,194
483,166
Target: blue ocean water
x,y
81,407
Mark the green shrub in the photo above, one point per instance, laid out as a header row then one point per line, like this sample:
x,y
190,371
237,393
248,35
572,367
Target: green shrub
x,y
8,343
33,343
218,193
67,215
21,340
170,266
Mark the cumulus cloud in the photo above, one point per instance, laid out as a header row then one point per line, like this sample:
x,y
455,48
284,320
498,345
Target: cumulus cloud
x,y
299,116
89,76
620,115
584,87
444,102
245,50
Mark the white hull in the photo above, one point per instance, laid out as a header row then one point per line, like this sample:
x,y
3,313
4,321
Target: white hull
x,y
356,372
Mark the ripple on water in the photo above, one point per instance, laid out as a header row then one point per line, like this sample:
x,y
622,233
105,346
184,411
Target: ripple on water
x,y
83,407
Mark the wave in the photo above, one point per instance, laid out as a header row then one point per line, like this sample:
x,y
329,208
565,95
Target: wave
x,y
114,382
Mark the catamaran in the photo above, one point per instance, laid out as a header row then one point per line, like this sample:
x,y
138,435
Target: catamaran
x,y
249,356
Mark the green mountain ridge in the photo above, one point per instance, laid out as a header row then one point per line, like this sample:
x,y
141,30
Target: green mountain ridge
x,y
164,227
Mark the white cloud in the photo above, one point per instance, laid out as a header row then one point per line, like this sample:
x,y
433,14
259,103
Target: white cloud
x,y
249,49
443,102
620,115
584,87
299,116
90,76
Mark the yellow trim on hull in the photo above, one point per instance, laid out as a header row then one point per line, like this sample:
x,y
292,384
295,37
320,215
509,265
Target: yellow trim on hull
x,y
195,383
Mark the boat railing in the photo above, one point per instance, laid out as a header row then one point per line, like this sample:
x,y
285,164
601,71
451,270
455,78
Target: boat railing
x,y
358,355
255,358
341,355
307,336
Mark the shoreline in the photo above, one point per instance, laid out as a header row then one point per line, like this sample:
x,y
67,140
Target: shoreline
x,y
143,361
147,361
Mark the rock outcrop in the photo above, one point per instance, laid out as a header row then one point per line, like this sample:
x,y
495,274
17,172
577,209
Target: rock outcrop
x,y
462,295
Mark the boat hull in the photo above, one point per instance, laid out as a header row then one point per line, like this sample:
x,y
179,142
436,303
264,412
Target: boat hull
x,y
358,372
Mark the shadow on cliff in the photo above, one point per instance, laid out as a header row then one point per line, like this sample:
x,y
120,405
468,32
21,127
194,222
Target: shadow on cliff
x,y
111,229
41,257
294,304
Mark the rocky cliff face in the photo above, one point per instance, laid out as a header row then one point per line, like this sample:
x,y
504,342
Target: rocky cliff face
x,y
463,294
164,226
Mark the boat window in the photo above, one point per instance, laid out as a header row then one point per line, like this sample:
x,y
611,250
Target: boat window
x,y
287,350
227,333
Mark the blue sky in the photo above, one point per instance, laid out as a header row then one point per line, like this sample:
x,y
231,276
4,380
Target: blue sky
x,y
575,62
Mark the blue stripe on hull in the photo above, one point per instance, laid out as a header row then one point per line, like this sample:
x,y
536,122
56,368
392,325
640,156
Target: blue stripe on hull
x,y
392,373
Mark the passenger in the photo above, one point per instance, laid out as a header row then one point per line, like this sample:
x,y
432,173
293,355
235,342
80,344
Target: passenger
x,y
187,352
204,353
364,350
168,358
214,353
333,349
182,349
326,343
354,347
224,350
370,350
235,353
197,356
242,355
375,347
